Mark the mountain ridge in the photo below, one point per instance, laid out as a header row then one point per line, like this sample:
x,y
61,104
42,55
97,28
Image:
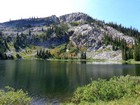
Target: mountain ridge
x,y
78,31
53,19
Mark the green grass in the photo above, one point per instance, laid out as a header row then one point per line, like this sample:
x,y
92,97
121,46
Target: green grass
x,y
29,52
131,61
116,91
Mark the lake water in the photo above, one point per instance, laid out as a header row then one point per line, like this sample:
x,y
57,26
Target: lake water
x,y
54,80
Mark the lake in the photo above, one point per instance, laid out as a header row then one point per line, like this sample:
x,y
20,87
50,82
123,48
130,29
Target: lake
x,y
53,81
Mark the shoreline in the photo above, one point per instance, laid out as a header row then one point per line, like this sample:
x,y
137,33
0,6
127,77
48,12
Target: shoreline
x,y
92,61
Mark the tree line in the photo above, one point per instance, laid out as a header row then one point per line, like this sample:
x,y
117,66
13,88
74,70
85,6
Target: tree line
x,y
4,47
133,32
129,51
44,54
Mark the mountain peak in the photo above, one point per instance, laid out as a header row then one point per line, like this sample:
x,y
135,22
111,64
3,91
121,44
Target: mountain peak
x,y
77,16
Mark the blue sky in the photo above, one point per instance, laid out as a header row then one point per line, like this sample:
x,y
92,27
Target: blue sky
x,y
125,12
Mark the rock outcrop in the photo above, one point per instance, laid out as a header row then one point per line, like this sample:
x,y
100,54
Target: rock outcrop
x,y
80,17
86,36
116,34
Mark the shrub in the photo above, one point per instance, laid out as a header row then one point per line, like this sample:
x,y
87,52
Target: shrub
x,y
18,56
12,97
75,23
103,90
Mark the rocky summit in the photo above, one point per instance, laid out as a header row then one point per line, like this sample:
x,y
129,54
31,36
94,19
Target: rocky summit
x,y
71,33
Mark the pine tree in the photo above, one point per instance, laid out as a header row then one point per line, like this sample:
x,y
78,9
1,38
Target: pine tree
x,y
124,48
137,51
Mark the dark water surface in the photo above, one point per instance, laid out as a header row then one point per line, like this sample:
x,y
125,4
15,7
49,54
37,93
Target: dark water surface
x,y
56,80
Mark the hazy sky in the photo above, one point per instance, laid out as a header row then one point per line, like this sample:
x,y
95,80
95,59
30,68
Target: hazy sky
x,y
126,12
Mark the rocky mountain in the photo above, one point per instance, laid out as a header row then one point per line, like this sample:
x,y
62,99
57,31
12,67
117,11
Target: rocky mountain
x,y
32,22
79,17
76,29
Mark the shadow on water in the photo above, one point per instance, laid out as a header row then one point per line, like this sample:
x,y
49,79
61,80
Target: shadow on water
x,y
57,79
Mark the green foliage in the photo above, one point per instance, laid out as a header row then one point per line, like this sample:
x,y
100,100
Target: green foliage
x,y
49,33
116,42
58,30
121,44
4,47
75,23
12,97
64,26
21,41
60,52
127,31
44,54
128,52
135,100
124,48
18,56
137,51
83,55
72,48
103,90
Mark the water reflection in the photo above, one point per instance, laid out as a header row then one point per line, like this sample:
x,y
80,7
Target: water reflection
x,y
57,79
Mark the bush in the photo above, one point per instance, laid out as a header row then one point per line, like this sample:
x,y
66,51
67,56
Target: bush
x,y
18,56
12,97
75,23
103,90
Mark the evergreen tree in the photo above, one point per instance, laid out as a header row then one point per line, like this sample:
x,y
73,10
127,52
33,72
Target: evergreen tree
x,y
124,48
44,54
30,33
137,51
